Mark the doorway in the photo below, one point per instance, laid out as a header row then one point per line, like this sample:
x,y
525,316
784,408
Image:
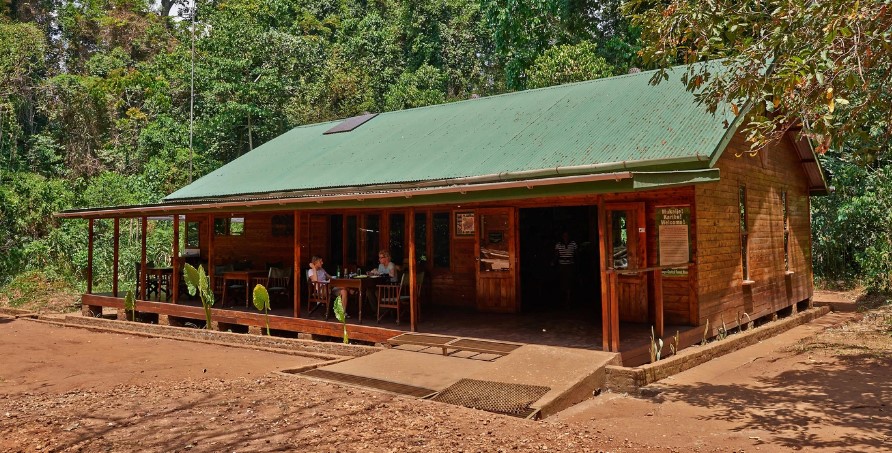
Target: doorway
x,y
540,230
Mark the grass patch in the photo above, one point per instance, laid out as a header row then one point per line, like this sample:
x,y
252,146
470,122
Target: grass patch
x,y
34,291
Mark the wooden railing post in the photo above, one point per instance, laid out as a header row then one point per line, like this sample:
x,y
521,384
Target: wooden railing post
x,y
90,259
658,301
175,260
298,271
116,256
142,260
413,297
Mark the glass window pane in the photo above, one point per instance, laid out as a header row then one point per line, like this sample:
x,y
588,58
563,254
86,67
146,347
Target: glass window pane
x,y
352,232
397,238
441,239
620,239
372,239
236,226
494,243
421,237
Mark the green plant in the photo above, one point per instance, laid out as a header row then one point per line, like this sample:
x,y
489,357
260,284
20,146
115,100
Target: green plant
x,y
341,316
722,333
130,304
656,346
705,333
673,346
261,302
198,282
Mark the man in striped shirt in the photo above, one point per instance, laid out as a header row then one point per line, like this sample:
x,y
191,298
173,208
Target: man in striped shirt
x,y
565,253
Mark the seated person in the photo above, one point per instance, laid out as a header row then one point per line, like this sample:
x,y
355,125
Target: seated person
x,y
317,274
385,266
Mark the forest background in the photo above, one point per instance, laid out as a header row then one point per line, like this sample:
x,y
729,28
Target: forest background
x,y
95,107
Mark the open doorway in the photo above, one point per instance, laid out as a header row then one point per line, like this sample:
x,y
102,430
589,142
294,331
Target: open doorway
x,y
540,271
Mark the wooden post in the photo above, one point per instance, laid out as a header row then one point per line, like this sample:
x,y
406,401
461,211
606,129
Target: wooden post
x,y
614,312
413,296
210,269
116,256
658,301
298,272
602,241
175,260
90,258
142,260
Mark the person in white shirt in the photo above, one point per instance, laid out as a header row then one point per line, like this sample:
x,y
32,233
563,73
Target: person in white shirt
x,y
317,274
565,254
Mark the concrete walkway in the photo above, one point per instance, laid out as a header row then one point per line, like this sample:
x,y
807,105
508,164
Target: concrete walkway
x,y
572,375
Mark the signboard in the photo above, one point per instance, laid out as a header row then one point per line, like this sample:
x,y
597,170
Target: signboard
x,y
673,237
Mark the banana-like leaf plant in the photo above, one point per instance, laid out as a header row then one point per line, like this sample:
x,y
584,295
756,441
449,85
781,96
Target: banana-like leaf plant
x,y
261,302
130,304
341,315
198,282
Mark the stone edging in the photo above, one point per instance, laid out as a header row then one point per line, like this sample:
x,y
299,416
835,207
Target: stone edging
x,y
630,380
309,348
18,313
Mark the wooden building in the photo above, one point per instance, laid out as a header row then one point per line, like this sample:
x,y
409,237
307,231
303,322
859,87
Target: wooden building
x,y
676,222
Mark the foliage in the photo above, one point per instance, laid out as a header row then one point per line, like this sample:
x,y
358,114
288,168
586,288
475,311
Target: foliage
x,y
130,304
673,345
261,302
656,346
827,64
568,63
852,226
198,282
341,316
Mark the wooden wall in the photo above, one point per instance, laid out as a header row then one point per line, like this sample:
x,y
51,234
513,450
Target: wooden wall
x,y
257,243
721,289
679,293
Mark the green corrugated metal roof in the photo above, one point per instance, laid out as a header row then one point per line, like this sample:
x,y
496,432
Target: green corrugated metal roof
x,y
600,125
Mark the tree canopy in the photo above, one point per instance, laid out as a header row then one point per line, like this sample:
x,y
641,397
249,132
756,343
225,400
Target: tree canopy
x,y
824,65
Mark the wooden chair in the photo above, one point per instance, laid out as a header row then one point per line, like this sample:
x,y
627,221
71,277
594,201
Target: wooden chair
x,y
319,294
389,296
419,284
278,282
151,282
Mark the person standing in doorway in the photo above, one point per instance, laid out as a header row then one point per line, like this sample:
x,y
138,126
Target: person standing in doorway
x,y
565,254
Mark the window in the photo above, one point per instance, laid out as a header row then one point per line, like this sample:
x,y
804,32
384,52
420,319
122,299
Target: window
x,y
744,233
397,240
229,226
421,237
441,239
786,231
371,238
193,235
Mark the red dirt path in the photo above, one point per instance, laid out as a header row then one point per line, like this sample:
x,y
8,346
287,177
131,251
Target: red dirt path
x,y
820,387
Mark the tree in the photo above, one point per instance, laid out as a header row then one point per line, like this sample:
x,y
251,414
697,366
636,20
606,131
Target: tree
x,y
568,63
826,65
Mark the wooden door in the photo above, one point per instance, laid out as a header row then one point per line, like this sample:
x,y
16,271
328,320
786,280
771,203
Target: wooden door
x,y
496,260
627,250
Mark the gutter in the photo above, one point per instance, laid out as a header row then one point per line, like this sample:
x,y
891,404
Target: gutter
x,y
407,193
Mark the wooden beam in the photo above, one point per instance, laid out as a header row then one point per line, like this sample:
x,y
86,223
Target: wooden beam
x,y
175,261
602,241
142,261
116,256
413,294
298,273
90,258
614,313
658,302
210,269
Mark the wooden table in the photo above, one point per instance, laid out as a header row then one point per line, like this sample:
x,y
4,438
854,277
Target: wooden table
x,y
359,284
241,276
162,275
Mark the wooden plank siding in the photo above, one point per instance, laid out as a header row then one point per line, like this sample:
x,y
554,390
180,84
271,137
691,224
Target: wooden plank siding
x,y
721,290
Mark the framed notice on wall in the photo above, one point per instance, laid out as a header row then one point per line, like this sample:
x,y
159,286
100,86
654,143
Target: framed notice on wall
x,y
674,238
464,223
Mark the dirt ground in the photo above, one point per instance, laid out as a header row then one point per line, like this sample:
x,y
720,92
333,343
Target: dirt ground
x,y
825,386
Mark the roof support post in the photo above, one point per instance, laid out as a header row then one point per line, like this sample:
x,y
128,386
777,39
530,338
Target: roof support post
x,y
413,293
210,269
298,272
605,283
175,261
142,260
658,301
90,258
116,256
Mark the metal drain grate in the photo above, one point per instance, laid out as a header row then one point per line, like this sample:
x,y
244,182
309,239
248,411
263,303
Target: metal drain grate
x,y
378,384
484,346
498,397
